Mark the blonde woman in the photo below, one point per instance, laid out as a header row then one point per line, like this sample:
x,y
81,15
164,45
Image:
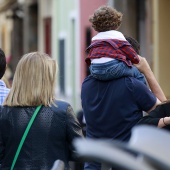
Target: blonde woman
x,y
55,126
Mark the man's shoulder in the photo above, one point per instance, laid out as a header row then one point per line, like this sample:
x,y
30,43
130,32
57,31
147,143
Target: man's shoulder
x,y
130,83
119,80
133,81
133,84
89,78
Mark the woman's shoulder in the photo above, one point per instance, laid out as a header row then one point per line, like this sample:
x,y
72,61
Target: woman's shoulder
x,y
4,108
4,111
60,106
61,103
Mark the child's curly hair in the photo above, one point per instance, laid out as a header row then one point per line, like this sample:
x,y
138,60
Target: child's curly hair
x,y
106,18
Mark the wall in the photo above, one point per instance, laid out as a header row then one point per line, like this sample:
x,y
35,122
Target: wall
x,y
161,45
164,45
87,8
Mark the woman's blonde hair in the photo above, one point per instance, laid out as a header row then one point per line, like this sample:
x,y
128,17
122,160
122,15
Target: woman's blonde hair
x,y
34,81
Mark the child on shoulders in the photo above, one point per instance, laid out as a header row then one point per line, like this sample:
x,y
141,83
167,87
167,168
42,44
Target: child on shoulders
x,y
110,55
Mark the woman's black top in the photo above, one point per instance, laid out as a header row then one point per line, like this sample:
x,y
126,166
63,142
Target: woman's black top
x,y
49,139
162,110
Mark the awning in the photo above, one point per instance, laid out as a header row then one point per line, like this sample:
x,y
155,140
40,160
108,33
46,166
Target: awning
x,y
6,4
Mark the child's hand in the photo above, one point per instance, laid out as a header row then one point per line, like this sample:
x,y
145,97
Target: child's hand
x,y
143,65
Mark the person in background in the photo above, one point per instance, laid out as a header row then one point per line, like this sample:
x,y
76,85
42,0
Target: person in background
x,y
159,117
5,80
3,89
53,130
110,55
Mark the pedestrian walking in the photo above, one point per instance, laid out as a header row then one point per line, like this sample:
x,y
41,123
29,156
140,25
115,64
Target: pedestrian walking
x,y
110,55
3,89
35,128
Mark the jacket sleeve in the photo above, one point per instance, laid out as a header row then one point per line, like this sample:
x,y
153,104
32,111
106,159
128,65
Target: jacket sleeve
x,y
73,129
149,120
154,116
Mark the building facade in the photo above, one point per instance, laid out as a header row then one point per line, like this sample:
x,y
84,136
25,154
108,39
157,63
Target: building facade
x,y
61,29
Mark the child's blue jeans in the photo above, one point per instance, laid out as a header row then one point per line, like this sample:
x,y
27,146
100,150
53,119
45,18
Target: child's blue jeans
x,y
115,69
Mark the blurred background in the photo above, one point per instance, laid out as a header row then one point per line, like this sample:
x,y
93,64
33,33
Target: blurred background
x,y
61,29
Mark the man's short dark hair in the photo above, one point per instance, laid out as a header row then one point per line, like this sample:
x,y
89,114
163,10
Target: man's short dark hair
x,y
2,63
134,43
